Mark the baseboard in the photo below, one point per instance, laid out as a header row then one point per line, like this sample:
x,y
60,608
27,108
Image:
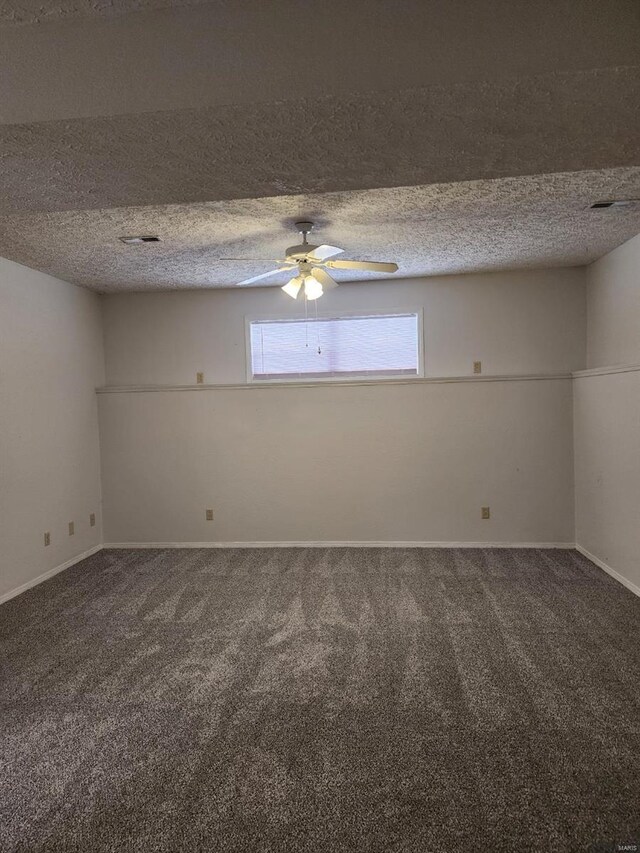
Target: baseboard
x,y
605,568
369,544
49,574
412,544
351,544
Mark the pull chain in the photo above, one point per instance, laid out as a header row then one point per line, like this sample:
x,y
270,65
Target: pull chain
x,y
306,320
318,328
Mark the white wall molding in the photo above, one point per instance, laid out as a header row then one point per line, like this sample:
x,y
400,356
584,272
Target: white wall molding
x,y
378,544
49,574
605,568
252,386
605,371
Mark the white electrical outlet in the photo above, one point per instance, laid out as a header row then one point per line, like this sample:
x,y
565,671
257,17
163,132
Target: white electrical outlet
x,y
47,539
72,528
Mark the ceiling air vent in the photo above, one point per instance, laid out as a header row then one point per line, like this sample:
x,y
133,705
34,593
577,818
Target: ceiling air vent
x,y
135,240
623,202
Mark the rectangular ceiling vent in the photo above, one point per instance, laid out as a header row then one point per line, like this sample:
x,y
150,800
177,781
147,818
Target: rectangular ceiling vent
x,y
624,202
135,240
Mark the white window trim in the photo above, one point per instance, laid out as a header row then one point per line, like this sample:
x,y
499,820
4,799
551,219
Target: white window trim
x,y
329,315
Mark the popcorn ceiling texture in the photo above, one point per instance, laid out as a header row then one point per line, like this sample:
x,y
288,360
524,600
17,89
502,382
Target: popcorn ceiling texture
x,y
522,126
537,221
504,141
93,63
40,11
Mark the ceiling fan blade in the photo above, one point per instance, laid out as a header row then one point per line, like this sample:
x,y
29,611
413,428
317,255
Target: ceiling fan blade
x,y
321,253
264,275
373,266
324,278
261,260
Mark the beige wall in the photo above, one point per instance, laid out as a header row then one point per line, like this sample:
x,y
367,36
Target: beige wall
x,y
613,307
410,462
607,462
519,322
376,463
383,462
607,417
50,361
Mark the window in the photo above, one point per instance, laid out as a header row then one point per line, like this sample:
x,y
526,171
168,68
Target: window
x,y
381,345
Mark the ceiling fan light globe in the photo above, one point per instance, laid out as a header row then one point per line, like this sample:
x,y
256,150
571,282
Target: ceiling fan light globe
x,y
292,288
312,288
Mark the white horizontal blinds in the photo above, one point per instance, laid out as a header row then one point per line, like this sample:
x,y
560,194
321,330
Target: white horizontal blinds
x,y
380,345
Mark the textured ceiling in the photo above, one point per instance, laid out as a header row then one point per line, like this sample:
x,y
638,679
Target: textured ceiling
x,y
445,136
508,223
40,11
539,125
245,52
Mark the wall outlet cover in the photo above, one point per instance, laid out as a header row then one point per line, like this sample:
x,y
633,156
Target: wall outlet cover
x,y
199,378
47,539
486,512
209,515
72,528
92,519
477,367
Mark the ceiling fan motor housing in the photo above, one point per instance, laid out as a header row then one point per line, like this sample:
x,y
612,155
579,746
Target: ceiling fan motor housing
x,y
299,252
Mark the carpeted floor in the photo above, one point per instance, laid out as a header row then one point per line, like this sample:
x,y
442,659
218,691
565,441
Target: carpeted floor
x,y
321,700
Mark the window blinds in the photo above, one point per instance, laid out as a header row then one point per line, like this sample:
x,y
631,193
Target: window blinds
x,y
340,347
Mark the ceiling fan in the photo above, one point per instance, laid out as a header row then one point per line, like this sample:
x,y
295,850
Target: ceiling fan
x,y
310,264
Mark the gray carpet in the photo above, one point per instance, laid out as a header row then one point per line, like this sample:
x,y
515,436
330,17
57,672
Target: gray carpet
x,y
321,700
